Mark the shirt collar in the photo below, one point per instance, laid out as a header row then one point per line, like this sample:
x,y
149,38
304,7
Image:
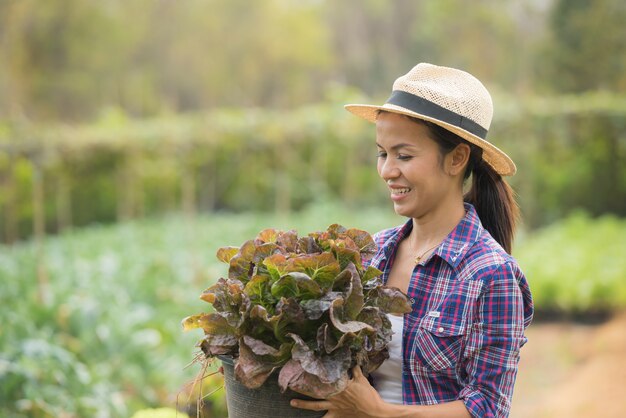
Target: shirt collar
x,y
454,246
462,237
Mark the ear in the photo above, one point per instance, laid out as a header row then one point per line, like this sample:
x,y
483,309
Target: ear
x,y
457,159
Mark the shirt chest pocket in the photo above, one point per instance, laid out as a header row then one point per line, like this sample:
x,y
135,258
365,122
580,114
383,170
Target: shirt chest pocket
x,y
438,343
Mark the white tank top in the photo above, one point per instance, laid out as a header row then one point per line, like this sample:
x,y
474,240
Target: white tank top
x,y
388,377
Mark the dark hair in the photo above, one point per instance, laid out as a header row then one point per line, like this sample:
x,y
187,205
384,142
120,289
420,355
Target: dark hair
x,y
490,194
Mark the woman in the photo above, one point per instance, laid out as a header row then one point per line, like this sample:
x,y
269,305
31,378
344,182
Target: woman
x,y
459,347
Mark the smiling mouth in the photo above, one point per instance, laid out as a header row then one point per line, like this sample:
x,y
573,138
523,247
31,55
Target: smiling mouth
x,y
400,191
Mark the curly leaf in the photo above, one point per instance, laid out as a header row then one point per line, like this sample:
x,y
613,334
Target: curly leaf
x,y
212,323
241,264
286,286
336,230
308,245
259,348
293,376
322,239
277,265
296,284
263,251
268,235
390,300
336,315
258,360
291,371
346,252
377,319
259,312
354,298
319,377
215,345
288,241
370,274
371,315
263,325
327,341
224,295
323,268
314,309
258,291
371,361
225,254
328,368
364,242
291,311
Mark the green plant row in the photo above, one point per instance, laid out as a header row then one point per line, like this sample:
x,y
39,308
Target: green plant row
x,y
576,266
566,148
104,338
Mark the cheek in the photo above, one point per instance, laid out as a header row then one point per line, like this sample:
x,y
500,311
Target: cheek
x,y
379,167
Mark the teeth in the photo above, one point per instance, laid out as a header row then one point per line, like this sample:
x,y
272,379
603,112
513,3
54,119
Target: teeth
x,y
400,191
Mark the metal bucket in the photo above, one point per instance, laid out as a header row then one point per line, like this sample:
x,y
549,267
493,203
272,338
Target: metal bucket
x,y
264,402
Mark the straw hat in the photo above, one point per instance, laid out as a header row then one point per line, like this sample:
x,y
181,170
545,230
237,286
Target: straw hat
x,y
450,98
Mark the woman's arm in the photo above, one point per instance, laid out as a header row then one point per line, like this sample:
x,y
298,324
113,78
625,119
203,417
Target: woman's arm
x,y
492,352
361,400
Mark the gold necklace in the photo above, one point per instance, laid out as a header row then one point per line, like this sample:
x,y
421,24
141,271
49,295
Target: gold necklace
x,y
419,257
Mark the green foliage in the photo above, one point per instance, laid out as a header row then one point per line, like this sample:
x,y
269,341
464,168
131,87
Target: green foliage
x,y
567,150
104,341
303,306
582,52
163,57
577,265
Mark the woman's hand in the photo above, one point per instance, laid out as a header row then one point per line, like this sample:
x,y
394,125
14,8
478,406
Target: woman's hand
x,y
359,399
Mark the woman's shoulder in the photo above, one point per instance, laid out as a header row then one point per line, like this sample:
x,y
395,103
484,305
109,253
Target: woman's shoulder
x,y
381,237
486,257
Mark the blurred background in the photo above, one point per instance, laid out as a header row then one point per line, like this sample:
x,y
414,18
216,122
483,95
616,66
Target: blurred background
x,y
138,137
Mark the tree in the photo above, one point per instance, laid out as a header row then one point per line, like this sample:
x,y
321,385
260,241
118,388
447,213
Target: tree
x,y
586,47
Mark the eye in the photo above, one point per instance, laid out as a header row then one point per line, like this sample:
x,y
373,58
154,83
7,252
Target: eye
x,y
381,154
404,157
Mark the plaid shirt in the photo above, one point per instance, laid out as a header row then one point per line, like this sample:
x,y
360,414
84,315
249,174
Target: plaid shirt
x,y
471,304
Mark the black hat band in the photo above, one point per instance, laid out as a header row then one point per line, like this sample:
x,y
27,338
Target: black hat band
x,y
432,110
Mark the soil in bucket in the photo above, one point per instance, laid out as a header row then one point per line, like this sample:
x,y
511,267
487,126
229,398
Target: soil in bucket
x,y
264,402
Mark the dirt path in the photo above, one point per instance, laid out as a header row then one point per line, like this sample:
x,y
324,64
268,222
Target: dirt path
x,y
573,370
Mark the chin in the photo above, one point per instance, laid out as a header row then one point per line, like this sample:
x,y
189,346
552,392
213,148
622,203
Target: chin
x,y
402,211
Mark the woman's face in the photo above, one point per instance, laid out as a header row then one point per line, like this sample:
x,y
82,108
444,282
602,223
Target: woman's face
x,y
409,161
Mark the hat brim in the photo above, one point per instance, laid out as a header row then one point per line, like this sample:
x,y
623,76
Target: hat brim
x,y
495,157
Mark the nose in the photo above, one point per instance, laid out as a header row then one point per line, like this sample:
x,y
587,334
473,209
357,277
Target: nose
x,y
387,169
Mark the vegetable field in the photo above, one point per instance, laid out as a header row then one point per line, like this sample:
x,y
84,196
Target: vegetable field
x,y
102,336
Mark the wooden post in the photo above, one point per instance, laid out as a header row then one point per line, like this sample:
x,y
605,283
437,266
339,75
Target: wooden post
x,y
63,201
138,193
349,189
188,203
188,187
208,191
8,191
126,180
120,179
39,227
282,195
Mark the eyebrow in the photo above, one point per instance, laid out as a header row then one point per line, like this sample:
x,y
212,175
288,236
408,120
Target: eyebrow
x,y
397,146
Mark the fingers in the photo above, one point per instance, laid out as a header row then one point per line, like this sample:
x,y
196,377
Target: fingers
x,y
357,372
310,405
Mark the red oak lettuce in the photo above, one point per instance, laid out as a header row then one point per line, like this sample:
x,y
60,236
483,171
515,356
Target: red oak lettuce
x,y
302,306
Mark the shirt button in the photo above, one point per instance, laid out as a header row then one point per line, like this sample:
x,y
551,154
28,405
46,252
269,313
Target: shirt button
x,y
412,300
440,329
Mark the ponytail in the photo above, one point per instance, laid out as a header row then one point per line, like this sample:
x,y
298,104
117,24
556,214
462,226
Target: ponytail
x,y
490,194
495,203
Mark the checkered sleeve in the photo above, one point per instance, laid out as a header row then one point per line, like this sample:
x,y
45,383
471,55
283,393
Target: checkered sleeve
x,y
492,352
